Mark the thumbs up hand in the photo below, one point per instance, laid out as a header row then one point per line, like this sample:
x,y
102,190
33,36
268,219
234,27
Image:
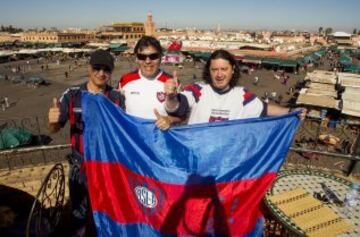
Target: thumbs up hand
x,y
162,122
54,112
55,103
171,86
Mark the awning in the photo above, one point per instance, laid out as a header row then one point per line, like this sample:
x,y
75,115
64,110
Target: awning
x,y
300,61
308,59
315,56
345,60
120,49
271,61
172,52
318,100
114,46
14,137
201,55
251,59
318,54
288,63
238,58
352,68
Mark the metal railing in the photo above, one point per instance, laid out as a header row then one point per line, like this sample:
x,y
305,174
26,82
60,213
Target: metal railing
x,y
307,141
43,148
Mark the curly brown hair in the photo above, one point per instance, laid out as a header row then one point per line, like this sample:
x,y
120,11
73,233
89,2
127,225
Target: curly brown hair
x,y
223,54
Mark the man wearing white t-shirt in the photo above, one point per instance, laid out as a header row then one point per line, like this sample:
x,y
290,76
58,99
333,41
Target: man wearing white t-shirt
x,y
144,87
220,98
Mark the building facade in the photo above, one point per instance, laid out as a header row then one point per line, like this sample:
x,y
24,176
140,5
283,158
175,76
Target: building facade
x,y
57,37
129,31
9,38
341,38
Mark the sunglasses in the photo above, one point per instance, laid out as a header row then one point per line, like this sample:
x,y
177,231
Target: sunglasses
x,y
152,56
98,68
321,197
324,199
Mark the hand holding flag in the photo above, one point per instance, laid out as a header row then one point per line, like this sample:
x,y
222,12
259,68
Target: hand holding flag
x,y
162,122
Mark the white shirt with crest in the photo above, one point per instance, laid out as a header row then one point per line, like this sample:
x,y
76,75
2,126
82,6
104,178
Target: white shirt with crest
x,y
143,95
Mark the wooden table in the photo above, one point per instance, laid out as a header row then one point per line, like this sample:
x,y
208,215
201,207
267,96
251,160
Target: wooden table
x,y
310,182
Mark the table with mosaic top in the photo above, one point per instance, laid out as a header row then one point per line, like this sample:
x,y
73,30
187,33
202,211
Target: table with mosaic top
x,y
310,181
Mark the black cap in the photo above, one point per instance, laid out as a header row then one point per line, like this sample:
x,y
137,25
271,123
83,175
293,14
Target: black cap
x,y
103,58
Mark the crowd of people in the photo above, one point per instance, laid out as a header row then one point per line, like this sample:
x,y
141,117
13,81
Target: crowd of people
x,y
151,93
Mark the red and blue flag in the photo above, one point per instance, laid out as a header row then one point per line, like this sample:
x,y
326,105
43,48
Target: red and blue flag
x,y
196,180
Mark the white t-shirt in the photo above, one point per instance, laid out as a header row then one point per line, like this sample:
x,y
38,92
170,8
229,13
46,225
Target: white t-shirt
x,y
143,95
206,105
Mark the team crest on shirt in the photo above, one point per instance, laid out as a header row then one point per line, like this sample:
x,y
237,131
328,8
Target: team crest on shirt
x,y
161,96
149,197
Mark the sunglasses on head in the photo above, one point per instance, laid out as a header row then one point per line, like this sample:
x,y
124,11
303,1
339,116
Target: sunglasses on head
x,y
152,56
101,67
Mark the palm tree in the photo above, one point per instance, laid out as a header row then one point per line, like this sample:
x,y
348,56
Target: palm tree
x,y
321,30
328,31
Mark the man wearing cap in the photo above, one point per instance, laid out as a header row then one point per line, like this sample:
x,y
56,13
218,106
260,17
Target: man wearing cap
x,y
69,108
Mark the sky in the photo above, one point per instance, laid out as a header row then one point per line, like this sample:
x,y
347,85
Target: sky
x,y
307,15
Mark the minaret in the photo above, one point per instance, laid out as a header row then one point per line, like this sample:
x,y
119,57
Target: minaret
x,y
149,25
218,32
218,29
